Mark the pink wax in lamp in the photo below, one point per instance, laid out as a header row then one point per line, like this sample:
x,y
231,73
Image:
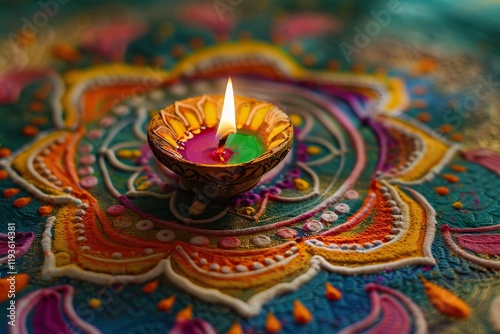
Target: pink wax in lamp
x,y
222,145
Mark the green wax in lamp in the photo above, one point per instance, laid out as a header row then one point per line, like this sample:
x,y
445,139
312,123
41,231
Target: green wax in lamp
x,y
243,147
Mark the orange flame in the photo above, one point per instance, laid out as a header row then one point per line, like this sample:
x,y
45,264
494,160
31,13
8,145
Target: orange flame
x,y
227,123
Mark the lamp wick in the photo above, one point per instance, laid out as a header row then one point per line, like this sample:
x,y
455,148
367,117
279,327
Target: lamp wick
x,y
222,143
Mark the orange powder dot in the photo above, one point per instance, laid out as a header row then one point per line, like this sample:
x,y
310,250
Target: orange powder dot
x,y
450,178
41,93
442,191
65,52
94,303
166,304
332,293
196,42
23,201
358,68
419,90
458,168
300,313
151,286
139,60
457,137
235,329
445,128
419,103
425,65
38,121
333,65
26,39
158,61
45,210
5,152
177,51
30,131
20,283
185,314
11,192
278,39
424,117
273,325
37,106
296,49
3,175
309,60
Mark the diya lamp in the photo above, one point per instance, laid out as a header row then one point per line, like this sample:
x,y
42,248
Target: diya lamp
x,y
220,146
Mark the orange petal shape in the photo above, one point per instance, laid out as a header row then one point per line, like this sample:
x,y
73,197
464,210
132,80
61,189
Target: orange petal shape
x,y
21,202
185,314
151,286
5,152
20,282
45,210
332,293
273,325
235,329
301,314
450,178
445,301
166,304
9,192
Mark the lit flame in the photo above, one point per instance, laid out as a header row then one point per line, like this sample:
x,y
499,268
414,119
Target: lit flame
x,y
227,123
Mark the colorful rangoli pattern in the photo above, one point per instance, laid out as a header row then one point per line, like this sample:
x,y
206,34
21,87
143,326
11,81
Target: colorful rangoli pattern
x,y
382,218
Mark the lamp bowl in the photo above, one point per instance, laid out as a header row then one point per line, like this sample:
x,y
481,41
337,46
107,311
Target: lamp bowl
x,y
182,120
